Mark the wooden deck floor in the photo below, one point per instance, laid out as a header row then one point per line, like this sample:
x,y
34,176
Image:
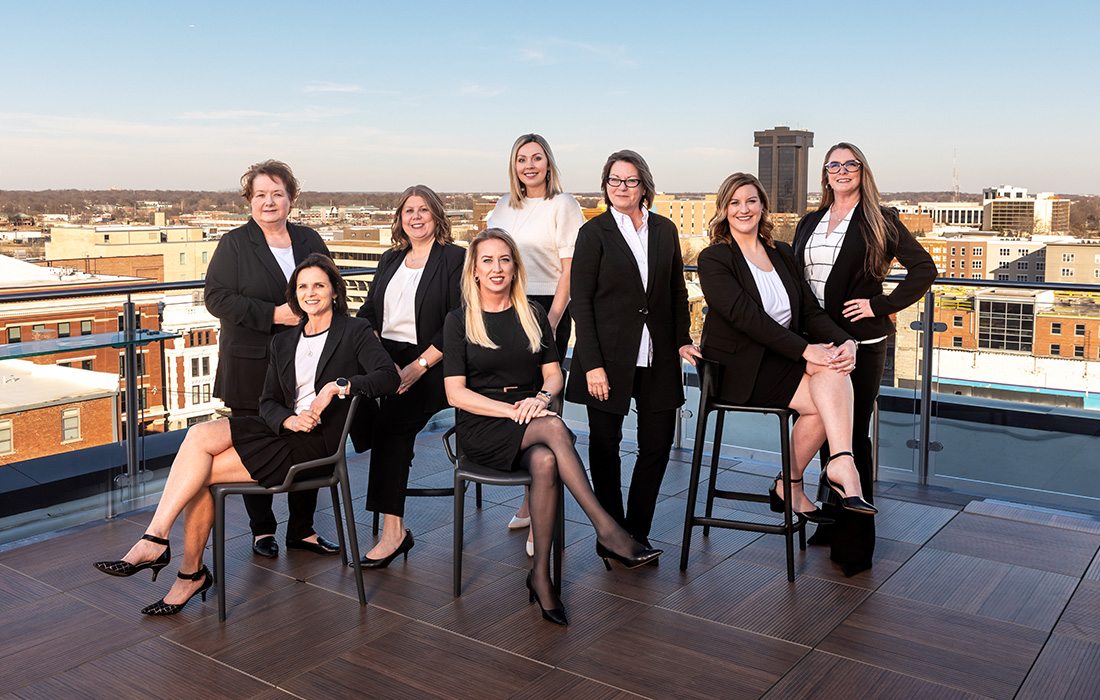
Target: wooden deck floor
x,y
967,599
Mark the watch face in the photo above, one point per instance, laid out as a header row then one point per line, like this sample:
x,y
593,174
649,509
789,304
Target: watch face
x,y
422,362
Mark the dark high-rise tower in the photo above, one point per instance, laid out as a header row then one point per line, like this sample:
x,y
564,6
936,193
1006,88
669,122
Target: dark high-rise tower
x,y
784,159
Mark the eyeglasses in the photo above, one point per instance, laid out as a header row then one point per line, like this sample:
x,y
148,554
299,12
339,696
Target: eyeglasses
x,y
848,166
630,182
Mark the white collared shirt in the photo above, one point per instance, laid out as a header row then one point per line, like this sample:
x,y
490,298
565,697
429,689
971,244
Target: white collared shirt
x,y
821,252
638,241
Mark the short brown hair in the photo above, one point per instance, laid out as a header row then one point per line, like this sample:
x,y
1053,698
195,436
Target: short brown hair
x,y
644,174
339,288
720,225
439,216
273,169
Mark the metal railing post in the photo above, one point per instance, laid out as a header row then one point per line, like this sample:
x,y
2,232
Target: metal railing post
x,y
129,319
928,343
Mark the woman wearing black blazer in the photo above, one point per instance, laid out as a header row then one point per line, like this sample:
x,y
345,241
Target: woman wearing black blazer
x,y
845,249
629,303
417,284
759,312
312,368
246,290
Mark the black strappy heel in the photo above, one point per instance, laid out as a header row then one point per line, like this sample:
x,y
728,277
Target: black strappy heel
x,y
816,516
125,568
856,504
162,608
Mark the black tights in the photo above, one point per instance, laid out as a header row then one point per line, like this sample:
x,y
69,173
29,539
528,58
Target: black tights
x,y
549,455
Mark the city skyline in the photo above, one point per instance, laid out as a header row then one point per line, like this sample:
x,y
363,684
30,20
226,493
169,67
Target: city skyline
x,y
361,98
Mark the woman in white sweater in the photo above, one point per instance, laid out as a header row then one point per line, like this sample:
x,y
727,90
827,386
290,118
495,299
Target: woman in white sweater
x,y
544,222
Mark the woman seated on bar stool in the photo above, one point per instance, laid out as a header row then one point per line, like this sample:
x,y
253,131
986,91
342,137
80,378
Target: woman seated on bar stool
x,y
759,306
501,372
331,355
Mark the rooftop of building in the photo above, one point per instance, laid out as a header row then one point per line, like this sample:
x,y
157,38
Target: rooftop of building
x,y
25,385
17,274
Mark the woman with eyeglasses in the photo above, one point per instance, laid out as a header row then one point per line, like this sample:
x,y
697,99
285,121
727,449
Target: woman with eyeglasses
x,y
543,220
629,303
845,250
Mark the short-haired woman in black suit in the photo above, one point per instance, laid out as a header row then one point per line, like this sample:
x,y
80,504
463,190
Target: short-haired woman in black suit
x,y
845,250
329,356
629,302
759,312
417,284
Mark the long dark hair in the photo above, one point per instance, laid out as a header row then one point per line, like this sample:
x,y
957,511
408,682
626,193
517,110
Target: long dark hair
x,y
879,230
339,288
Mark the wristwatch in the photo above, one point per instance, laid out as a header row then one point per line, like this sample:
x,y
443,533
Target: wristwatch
x,y
343,386
546,395
422,362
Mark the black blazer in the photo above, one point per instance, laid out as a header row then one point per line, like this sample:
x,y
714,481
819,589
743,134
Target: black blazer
x,y
849,279
351,351
244,284
609,307
737,331
439,291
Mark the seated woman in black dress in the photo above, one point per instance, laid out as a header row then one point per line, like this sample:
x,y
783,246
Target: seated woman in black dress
x,y
329,356
759,307
501,372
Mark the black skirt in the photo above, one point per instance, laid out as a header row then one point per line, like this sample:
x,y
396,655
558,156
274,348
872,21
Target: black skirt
x,y
268,457
489,441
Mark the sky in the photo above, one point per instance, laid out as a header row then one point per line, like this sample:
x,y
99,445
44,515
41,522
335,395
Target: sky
x,y
376,96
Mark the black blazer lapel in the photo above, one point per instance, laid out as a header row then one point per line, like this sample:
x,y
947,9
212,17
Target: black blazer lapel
x,y
850,255
653,254
288,373
264,254
381,282
298,244
611,229
335,336
431,267
748,282
812,220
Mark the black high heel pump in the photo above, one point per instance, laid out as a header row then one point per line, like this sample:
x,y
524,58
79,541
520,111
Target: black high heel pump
x,y
816,516
403,548
631,561
162,608
125,568
856,504
555,615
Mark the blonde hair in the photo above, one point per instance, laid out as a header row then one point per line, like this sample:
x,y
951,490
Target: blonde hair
x,y
719,226
443,236
876,263
476,332
516,189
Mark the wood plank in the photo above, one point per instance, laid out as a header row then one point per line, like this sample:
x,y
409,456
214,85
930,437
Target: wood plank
x,y
1081,618
915,523
562,684
1068,668
1038,516
17,588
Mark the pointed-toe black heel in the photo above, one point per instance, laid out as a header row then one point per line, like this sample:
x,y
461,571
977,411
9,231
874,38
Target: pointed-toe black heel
x,y
162,608
633,561
555,615
402,549
855,504
816,516
125,568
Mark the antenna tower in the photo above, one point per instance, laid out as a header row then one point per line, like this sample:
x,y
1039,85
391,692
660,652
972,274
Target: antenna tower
x,y
955,173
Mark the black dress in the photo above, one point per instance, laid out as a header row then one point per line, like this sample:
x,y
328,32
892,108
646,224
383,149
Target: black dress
x,y
510,373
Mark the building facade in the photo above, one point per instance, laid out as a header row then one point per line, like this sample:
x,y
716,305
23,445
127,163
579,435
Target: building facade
x,y
784,166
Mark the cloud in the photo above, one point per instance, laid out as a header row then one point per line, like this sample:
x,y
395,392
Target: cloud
x,y
478,90
556,50
304,114
536,56
332,87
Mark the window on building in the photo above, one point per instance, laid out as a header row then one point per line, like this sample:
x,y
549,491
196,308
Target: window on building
x,y
206,366
1067,272
956,341
1056,328
63,330
194,366
1004,325
205,392
1021,278
1055,349
976,264
15,334
204,255
1067,257
85,328
1021,264
7,443
1078,329
1005,252
953,250
977,250
1096,273
195,394
962,251
38,328
976,276
1078,350
86,364
1040,265
1096,258
70,424
1002,277
183,258
952,264
957,321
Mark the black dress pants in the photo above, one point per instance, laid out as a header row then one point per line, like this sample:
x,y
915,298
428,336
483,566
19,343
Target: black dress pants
x,y
564,327
261,519
656,430
852,537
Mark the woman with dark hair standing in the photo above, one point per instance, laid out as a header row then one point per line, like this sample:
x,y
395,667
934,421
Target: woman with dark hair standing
x,y
760,311
246,291
845,250
543,220
328,357
416,285
502,373
629,302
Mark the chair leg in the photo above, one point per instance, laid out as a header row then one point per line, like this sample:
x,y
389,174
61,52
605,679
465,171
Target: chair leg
x,y
477,494
339,525
693,485
353,534
788,516
559,539
715,454
459,515
219,553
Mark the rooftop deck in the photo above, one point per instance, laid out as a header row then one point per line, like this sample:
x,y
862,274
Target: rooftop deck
x,y
966,599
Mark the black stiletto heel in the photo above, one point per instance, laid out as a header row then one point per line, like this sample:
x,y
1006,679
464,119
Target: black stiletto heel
x,y
402,549
816,516
125,568
555,615
631,561
162,608
856,504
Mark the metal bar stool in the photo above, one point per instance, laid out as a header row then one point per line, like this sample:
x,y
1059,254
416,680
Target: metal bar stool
x,y
467,471
339,487
709,381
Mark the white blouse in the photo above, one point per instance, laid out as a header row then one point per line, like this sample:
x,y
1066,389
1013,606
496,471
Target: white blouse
x,y
306,357
821,252
773,294
545,231
399,305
